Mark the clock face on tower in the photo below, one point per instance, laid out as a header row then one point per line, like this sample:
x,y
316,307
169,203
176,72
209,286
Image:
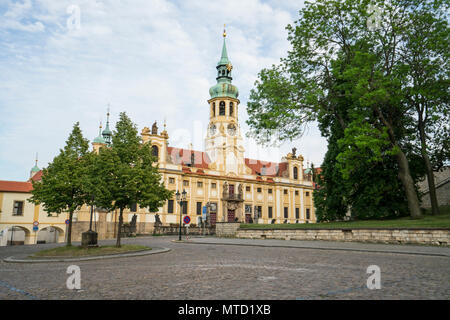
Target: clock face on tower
x,y
231,129
212,129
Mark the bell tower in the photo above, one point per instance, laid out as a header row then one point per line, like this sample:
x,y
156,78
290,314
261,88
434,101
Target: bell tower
x,y
224,141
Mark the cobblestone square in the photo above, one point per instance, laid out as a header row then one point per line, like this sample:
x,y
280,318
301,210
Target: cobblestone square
x,y
212,271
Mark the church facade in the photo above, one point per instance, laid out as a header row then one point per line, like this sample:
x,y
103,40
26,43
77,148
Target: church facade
x,y
220,178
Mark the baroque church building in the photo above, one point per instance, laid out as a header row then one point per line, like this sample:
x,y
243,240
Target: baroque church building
x,y
231,186
219,180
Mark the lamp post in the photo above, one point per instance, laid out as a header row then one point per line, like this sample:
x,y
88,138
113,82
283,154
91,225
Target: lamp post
x,y
92,211
181,198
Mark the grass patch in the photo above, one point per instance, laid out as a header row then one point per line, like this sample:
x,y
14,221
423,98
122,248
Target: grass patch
x,y
428,221
78,251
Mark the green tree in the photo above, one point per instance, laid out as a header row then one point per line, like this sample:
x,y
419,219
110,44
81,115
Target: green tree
x,y
336,52
62,188
126,173
426,69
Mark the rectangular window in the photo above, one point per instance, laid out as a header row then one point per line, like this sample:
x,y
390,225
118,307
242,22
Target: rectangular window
x,y
199,208
199,184
186,183
285,191
307,214
248,208
247,188
259,189
133,207
297,213
213,207
270,212
170,206
286,212
185,207
270,191
18,208
213,185
307,193
259,208
171,180
296,192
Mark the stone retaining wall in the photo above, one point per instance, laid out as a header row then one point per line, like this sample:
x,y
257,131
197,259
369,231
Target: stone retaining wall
x,y
174,230
435,236
397,236
227,229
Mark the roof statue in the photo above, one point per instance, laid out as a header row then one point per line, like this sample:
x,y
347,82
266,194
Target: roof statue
x,y
154,128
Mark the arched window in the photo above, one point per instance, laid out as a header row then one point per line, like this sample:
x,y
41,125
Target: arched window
x,y
295,173
214,109
231,108
222,108
155,151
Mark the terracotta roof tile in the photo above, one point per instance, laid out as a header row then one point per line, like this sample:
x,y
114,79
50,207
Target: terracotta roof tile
x,y
37,176
266,168
183,157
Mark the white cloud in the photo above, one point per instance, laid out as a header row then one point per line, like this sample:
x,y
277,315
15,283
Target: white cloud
x,y
153,59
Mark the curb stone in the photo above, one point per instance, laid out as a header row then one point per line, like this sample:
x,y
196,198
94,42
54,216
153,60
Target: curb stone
x,y
110,256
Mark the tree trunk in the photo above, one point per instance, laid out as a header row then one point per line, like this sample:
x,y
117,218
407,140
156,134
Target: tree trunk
x,y
408,183
403,173
430,175
119,233
69,230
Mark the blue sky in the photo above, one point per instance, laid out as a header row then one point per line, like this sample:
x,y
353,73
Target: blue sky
x,y
154,59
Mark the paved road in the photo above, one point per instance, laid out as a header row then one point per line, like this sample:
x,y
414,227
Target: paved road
x,y
209,271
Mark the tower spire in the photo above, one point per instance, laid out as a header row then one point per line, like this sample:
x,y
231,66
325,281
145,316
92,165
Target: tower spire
x,y
35,169
107,133
224,58
224,88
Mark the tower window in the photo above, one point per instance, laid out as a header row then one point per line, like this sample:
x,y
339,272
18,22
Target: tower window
x,y
155,151
222,108
231,108
295,173
214,109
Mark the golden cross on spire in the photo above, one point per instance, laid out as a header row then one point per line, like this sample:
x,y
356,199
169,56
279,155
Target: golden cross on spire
x,y
224,32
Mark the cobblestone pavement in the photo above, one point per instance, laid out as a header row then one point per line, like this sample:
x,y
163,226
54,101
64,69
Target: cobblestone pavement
x,y
208,271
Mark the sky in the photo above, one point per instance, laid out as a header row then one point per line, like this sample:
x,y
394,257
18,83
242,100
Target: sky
x,y
63,62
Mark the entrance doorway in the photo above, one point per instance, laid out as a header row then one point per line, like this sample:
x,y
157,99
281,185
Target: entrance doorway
x,y
230,215
248,218
213,218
